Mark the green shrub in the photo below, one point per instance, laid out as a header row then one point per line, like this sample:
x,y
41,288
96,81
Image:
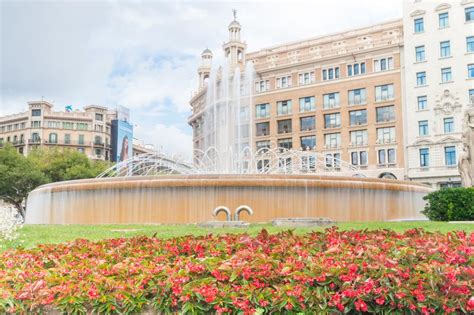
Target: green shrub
x,y
451,204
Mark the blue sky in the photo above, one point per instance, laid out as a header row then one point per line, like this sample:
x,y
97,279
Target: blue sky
x,y
144,54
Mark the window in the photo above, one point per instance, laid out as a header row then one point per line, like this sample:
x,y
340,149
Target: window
x,y
34,124
307,123
262,111
421,78
81,126
422,102
358,138
284,82
470,44
386,113
284,108
99,128
470,71
445,49
359,158
35,137
331,100
81,139
357,97
423,128
68,125
333,160
263,129
332,120
307,104
469,14
386,156
263,145
382,156
285,143
443,20
330,73
284,126
67,138
53,138
356,69
358,117
419,27
386,135
450,155
98,140
471,96
332,140
384,92
448,125
446,75
262,86
36,112
383,64
391,156
306,78
424,157
99,117
308,142
420,53
54,124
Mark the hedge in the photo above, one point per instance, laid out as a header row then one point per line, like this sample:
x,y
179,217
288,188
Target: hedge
x,y
451,204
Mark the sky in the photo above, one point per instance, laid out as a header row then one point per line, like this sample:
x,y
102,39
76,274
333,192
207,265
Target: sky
x,y
144,54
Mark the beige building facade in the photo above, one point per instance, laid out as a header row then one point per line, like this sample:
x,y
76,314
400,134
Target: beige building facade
x,y
87,131
339,95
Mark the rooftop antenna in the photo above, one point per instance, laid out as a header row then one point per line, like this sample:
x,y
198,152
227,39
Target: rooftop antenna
x,y
234,11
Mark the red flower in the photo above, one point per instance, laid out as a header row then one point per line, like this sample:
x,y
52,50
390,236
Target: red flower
x,y
360,306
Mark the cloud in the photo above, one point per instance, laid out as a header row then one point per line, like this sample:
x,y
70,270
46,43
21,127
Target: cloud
x,y
145,54
169,139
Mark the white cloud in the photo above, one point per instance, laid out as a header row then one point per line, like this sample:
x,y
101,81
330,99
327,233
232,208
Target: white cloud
x,y
137,54
169,139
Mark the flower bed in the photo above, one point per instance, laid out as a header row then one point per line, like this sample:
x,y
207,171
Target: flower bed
x,y
327,272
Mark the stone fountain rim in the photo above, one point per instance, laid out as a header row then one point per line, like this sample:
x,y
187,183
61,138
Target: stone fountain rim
x,y
234,180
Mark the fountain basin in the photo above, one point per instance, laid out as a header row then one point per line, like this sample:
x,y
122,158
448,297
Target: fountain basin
x,y
191,199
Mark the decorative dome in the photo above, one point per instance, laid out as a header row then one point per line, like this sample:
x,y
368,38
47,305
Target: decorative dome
x,y
206,51
235,24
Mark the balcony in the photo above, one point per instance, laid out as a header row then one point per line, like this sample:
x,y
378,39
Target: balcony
x,y
386,141
18,143
34,141
331,105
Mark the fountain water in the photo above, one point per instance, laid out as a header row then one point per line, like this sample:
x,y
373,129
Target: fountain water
x,y
227,172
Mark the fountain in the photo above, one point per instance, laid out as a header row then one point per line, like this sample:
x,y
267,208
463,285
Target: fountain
x,y
226,174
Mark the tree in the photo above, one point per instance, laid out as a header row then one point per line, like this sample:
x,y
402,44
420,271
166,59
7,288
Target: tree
x,y
59,165
18,176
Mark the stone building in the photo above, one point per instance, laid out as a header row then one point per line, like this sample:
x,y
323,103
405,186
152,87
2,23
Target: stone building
x,y
338,94
439,87
87,131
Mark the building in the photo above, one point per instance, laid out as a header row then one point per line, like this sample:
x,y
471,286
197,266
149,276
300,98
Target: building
x,y
338,94
439,86
87,131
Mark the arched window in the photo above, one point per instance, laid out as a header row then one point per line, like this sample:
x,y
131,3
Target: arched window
x,y
53,138
206,79
387,175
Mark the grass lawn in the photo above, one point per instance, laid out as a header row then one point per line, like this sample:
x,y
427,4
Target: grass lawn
x,y
32,235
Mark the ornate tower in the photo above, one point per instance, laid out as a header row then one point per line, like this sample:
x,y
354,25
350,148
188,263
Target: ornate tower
x,y
234,49
205,68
